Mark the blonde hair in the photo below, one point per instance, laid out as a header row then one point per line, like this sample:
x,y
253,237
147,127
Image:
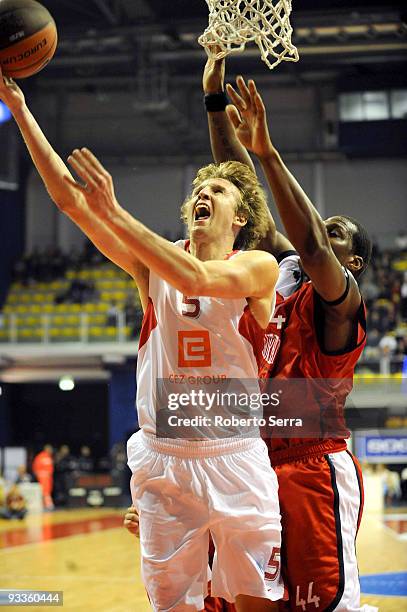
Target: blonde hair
x,y
253,204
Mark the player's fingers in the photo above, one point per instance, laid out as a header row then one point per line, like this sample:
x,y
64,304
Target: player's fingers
x,y
233,115
236,99
81,170
132,528
257,99
132,511
243,90
260,108
93,161
131,525
98,176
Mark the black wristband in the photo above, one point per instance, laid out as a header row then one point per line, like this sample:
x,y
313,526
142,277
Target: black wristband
x,y
215,103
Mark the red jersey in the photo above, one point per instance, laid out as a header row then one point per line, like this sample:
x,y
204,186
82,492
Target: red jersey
x,y
294,349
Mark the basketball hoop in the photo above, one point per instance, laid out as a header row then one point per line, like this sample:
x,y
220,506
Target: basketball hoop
x,y
233,23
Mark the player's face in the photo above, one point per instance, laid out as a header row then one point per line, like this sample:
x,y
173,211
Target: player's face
x,y
340,232
212,211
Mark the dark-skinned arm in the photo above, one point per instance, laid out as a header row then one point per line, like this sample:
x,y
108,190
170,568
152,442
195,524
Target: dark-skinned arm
x,y
226,146
305,227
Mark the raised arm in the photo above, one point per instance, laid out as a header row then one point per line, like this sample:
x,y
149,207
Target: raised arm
x,y
226,146
252,274
53,172
305,227
224,143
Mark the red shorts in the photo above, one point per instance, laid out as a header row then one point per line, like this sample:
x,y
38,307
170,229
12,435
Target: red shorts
x,y
321,502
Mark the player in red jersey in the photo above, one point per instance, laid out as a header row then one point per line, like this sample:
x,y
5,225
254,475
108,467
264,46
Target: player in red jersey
x,y
322,330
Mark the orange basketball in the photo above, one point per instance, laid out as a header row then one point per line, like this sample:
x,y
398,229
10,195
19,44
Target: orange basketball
x,y
28,37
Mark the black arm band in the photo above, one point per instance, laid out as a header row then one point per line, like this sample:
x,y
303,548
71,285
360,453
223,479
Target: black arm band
x,y
215,103
343,296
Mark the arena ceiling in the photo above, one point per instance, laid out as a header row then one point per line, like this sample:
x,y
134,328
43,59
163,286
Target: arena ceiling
x,y
117,42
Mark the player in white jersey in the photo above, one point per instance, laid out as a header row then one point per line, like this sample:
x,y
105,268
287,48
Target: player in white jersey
x,y
185,489
205,307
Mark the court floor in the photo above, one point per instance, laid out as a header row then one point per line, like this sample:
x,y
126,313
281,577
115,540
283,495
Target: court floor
x,y
95,562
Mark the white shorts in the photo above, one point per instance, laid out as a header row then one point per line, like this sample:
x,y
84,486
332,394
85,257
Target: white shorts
x,y
185,490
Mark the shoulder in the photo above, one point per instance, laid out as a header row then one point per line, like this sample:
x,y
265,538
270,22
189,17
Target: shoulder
x,y
258,258
291,276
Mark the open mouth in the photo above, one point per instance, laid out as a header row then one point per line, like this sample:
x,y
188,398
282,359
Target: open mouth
x,y
202,211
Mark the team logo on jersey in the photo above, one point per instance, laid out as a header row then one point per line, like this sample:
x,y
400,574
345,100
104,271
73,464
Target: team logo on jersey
x,y
194,349
270,347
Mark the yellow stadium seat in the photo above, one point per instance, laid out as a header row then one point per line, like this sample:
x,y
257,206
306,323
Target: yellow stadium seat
x,y
89,307
33,321
69,332
48,308
73,319
95,331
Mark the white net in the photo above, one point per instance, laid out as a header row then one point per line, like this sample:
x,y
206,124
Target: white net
x,y
234,23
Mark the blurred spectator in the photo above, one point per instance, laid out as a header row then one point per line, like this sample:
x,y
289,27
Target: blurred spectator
x,y
403,300
2,491
43,469
15,506
133,315
85,460
65,465
369,289
387,346
120,471
401,241
79,292
113,315
403,483
58,263
23,475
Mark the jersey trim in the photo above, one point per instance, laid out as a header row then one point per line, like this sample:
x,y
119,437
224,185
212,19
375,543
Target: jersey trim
x,y
149,323
362,500
304,451
340,299
353,344
285,254
338,529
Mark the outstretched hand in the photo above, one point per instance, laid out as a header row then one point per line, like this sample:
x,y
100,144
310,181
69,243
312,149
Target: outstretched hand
x,y
213,80
248,116
98,188
10,93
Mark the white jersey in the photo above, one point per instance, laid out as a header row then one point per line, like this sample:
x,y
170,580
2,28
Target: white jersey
x,y
291,275
192,339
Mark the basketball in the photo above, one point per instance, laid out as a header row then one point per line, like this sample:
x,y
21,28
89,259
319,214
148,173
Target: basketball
x,y
28,37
